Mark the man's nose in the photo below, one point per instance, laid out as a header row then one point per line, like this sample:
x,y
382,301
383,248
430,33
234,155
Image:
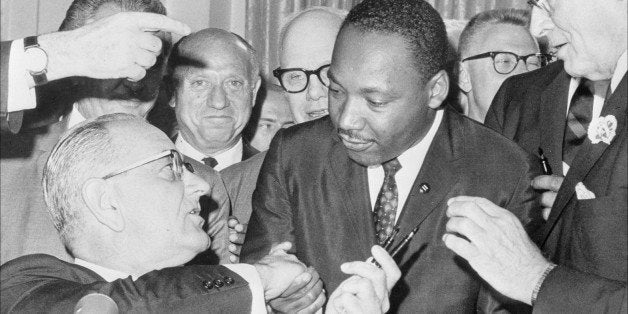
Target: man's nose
x,y
540,23
350,117
315,89
195,186
218,98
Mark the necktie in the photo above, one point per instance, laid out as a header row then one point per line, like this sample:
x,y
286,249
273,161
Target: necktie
x,y
385,209
578,120
210,161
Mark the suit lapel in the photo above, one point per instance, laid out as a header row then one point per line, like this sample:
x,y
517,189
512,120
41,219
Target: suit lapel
x,y
552,120
440,170
351,181
588,155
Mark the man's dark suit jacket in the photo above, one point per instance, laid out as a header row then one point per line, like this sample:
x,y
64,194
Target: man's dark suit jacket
x,y
44,284
588,239
311,193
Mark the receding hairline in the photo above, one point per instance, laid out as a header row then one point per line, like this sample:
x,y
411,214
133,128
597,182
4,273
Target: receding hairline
x,y
313,14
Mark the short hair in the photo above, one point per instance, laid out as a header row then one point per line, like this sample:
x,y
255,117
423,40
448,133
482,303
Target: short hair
x,y
81,11
178,59
256,112
84,152
517,17
289,20
415,20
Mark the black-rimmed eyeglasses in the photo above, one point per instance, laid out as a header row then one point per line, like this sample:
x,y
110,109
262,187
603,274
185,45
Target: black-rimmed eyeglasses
x,y
176,163
296,80
541,4
505,62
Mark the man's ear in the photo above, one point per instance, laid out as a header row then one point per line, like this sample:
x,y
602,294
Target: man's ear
x,y
101,203
464,81
172,102
258,84
438,87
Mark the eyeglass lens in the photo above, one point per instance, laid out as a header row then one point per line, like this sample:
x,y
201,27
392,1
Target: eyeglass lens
x,y
506,62
297,80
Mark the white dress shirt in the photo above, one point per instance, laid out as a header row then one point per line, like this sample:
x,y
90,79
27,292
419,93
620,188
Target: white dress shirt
x,y
600,88
245,271
21,88
411,161
225,159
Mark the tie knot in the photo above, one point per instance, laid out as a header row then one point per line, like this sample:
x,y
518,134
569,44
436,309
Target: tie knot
x,y
210,161
391,167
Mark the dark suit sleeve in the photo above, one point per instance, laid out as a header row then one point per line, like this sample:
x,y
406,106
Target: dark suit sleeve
x,y
9,121
567,290
44,284
496,112
271,219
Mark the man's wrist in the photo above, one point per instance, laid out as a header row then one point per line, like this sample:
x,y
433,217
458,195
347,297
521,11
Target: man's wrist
x,y
539,283
60,64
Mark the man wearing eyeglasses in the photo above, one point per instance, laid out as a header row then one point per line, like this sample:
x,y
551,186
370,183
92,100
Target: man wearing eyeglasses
x,y
575,111
493,46
127,208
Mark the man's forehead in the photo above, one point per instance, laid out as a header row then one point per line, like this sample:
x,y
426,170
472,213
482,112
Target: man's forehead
x,y
201,55
508,37
138,139
309,40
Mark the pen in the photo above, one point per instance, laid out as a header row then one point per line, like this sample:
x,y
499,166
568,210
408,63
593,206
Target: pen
x,y
404,243
547,170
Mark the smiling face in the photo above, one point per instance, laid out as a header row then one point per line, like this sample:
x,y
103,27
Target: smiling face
x,y
214,97
484,81
161,214
589,36
377,98
308,44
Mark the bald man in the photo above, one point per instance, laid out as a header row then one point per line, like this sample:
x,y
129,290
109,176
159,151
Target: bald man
x,y
215,76
306,43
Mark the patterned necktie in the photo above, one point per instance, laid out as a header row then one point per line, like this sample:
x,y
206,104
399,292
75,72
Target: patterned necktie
x,y
578,120
210,161
385,210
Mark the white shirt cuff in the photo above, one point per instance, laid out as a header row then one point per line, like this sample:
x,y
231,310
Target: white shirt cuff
x,y
20,95
248,272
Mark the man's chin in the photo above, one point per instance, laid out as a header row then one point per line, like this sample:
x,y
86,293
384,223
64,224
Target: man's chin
x,y
364,159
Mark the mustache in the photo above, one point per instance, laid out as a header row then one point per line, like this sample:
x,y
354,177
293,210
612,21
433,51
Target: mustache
x,y
354,135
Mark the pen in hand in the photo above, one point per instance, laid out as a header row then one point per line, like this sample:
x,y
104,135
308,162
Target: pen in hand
x,y
547,170
397,249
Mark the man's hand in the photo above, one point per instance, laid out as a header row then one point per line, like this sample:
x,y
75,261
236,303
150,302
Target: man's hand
x,y
495,244
278,269
368,289
304,295
237,232
551,185
123,45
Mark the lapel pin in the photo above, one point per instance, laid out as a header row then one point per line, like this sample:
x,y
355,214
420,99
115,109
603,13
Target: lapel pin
x,y
424,188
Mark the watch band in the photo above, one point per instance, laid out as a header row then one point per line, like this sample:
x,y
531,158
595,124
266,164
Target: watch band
x,y
39,77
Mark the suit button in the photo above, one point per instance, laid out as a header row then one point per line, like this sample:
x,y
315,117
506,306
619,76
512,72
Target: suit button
x,y
228,280
219,283
208,285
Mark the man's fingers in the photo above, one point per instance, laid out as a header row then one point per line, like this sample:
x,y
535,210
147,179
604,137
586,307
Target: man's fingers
x,y
546,212
548,198
150,43
280,248
304,283
460,246
545,182
232,222
317,304
376,276
135,73
465,227
145,59
154,22
389,266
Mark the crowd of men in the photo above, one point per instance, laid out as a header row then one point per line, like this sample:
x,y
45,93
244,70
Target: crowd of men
x,y
287,195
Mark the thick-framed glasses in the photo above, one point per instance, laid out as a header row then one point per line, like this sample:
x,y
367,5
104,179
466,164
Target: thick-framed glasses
x,y
296,80
541,4
505,62
176,163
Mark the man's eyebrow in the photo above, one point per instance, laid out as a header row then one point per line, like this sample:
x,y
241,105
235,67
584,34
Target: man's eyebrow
x,y
268,119
331,76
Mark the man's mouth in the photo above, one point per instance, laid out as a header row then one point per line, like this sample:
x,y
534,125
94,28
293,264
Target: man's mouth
x,y
195,212
318,113
354,143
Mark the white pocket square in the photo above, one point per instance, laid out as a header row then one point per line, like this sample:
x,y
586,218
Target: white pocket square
x,y
583,193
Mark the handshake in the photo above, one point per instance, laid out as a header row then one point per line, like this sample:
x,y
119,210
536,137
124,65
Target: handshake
x,y
291,286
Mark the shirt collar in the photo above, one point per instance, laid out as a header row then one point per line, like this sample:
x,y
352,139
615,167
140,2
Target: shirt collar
x,y
106,273
75,117
409,157
225,159
620,70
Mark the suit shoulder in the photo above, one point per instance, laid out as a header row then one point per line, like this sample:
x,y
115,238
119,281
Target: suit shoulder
x,y
40,265
312,134
249,167
538,78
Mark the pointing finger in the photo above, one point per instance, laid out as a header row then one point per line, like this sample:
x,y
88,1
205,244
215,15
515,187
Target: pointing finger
x,y
154,22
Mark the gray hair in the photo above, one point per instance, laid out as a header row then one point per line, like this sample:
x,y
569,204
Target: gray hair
x,y
515,17
81,11
289,20
85,151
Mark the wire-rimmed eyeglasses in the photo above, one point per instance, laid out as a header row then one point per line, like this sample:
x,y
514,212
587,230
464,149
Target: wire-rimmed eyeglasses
x,y
505,62
296,80
176,163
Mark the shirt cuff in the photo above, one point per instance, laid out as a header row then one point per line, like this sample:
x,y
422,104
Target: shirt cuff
x,y
248,272
20,94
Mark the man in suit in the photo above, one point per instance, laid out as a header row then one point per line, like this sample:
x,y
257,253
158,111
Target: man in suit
x,y
584,243
127,207
25,225
390,155
214,76
270,114
491,47
58,55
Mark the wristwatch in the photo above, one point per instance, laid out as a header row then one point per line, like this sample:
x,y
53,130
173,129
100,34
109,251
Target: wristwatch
x,y
36,60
